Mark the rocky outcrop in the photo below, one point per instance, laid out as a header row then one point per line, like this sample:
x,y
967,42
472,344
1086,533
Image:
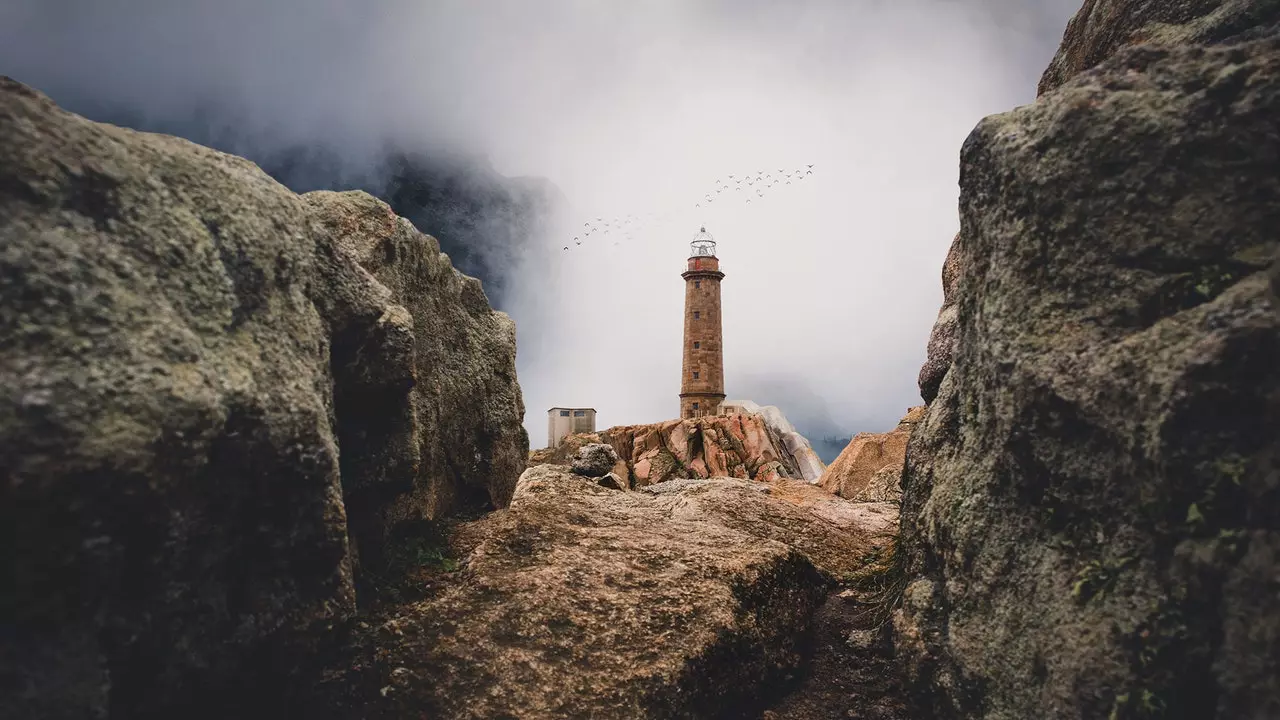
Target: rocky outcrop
x,y
689,598
795,445
211,388
465,401
1101,28
740,446
1091,516
871,464
942,339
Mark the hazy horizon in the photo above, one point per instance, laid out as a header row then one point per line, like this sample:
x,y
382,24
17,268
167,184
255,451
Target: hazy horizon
x,y
832,283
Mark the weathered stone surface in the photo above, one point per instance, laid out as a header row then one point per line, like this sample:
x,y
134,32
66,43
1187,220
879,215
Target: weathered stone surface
x,y
183,349
471,442
686,599
856,473
721,445
594,459
1101,28
1091,510
795,445
884,486
942,339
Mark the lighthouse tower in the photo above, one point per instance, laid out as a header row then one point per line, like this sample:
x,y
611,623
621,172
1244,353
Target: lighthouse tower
x,y
702,376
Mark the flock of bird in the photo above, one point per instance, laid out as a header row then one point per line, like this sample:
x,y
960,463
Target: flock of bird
x,y
735,187
756,184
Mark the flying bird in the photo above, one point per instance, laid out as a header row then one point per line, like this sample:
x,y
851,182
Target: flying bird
x,y
810,167
566,247
579,242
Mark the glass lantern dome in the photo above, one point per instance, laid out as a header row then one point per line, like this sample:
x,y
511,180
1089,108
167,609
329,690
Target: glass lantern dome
x,y
703,245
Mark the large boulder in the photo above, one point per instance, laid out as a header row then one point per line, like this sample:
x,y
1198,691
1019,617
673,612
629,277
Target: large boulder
x,y
688,598
1091,509
871,464
205,398
471,444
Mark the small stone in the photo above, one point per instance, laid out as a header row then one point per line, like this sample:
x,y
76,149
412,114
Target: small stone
x,y
611,481
595,459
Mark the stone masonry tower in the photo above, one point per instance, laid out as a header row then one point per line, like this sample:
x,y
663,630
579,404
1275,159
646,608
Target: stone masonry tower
x,y
702,377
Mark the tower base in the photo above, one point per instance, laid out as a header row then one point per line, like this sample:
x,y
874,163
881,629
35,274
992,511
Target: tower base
x,y
694,405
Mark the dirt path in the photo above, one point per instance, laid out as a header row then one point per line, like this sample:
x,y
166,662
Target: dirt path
x,y
851,675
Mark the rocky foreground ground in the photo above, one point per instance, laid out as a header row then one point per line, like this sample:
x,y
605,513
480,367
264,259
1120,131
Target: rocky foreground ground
x,y
687,598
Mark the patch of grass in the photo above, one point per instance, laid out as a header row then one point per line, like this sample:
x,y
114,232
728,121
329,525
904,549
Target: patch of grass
x,y
413,561
423,553
880,584
1098,577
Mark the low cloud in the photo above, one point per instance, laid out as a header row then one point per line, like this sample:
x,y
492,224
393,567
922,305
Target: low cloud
x,y
629,109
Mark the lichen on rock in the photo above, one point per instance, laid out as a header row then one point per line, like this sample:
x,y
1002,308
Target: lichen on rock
x,y
212,389
1090,503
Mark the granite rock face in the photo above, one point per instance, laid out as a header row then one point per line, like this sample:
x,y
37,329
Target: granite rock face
x,y
1091,510
741,446
687,598
871,464
797,446
465,401
207,400
942,339
1101,28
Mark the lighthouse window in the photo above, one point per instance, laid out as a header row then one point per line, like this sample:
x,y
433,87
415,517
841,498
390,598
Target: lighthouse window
x,y
695,406
696,314
695,374
696,345
564,413
697,284
579,413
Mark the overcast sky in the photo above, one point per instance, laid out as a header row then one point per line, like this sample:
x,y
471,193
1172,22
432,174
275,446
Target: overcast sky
x,y
630,108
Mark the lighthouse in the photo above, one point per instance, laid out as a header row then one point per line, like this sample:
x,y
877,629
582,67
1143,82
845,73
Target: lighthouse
x,y
702,373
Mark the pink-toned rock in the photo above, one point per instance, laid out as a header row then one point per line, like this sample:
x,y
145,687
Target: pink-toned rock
x,y
868,454
770,472
641,472
718,446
